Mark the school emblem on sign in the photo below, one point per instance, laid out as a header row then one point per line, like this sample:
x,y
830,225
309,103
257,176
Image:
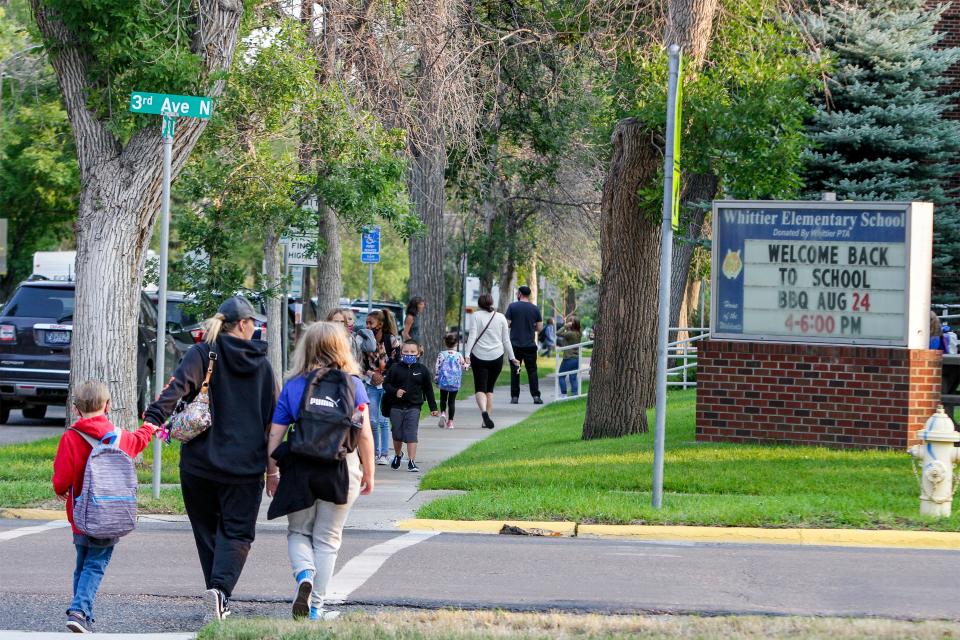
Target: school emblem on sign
x,y
732,264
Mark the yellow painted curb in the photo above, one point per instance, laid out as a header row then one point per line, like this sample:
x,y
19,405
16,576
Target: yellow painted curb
x,y
744,535
567,529
33,514
739,535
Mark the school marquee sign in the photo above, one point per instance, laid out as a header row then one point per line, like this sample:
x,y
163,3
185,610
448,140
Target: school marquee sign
x,y
822,272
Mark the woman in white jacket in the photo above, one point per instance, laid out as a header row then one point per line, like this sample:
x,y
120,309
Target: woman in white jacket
x,y
489,342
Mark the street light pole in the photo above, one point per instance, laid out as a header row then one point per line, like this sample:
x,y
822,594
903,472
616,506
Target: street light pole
x,y
666,259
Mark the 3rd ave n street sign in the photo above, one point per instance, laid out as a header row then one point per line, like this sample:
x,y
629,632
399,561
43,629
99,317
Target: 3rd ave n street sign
x,y
162,104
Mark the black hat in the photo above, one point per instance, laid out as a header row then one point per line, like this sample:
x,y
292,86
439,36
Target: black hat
x,y
236,309
524,291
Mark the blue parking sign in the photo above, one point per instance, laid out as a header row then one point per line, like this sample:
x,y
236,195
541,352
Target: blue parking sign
x,y
370,245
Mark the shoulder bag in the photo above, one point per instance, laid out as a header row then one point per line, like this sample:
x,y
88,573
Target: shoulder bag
x,y
195,418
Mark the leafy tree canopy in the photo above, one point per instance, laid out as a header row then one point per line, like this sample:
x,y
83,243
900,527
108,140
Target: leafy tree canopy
x,y
880,131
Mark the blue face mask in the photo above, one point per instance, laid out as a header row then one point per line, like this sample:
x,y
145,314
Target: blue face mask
x,y
408,359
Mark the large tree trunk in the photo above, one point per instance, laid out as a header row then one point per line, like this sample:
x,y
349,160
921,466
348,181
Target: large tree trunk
x,y
276,306
120,201
569,301
620,393
534,283
507,280
329,277
699,189
426,185
621,383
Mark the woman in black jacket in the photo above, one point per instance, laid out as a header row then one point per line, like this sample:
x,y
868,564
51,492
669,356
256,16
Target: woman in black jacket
x,y
222,469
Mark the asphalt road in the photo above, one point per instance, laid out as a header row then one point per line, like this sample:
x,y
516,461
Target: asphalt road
x,y
19,429
154,580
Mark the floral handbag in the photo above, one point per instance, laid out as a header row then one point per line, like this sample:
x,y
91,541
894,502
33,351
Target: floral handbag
x,y
195,418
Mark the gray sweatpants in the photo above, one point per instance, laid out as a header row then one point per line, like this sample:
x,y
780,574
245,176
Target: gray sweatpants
x,y
314,534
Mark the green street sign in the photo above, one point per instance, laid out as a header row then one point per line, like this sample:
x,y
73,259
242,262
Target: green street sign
x,y
162,104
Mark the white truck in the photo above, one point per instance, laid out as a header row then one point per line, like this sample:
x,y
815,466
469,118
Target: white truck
x,y
59,265
55,265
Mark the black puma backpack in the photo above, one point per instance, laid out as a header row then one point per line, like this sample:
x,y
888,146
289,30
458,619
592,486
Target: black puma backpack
x,y
325,430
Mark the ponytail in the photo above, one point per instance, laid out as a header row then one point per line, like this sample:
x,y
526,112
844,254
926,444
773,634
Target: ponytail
x,y
214,325
389,323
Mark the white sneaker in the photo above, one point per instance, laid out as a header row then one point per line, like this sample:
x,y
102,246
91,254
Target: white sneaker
x,y
442,421
381,460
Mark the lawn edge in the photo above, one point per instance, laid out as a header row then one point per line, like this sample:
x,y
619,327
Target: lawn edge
x,y
737,535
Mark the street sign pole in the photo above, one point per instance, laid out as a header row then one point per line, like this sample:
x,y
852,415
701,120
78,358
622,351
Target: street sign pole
x,y
463,301
666,258
167,131
169,106
284,326
369,288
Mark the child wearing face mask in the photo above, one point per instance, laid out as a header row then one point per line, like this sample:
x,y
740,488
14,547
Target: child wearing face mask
x,y
407,386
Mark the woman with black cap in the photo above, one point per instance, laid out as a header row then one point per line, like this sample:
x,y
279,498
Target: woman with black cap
x,y
222,469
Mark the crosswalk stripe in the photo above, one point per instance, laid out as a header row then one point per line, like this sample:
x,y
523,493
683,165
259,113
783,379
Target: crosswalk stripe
x,y
361,568
26,531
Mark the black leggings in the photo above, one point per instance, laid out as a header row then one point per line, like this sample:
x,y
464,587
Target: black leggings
x,y
448,402
485,373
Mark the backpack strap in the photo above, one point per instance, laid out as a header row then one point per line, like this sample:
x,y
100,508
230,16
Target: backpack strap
x,y
349,391
90,440
111,439
307,390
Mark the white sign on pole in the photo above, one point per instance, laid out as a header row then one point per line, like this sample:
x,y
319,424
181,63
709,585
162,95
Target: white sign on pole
x,y
298,252
296,282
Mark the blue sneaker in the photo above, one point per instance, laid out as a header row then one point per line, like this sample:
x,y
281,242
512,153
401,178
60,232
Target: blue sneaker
x,y
319,613
301,602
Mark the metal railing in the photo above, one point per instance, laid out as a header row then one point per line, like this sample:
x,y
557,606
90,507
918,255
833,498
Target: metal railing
x,y
582,372
682,355
946,311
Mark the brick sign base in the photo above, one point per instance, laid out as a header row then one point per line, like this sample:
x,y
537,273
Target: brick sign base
x,y
837,396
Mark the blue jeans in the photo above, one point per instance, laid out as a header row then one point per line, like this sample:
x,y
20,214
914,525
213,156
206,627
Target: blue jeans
x,y
379,424
569,364
91,563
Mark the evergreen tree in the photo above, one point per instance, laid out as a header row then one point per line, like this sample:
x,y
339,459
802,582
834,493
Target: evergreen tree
x,y
880,130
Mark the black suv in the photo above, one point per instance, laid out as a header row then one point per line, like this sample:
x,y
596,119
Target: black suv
x,y
36,329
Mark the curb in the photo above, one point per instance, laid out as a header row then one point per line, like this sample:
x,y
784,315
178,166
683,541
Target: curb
x,y
33,514
551,529
730,535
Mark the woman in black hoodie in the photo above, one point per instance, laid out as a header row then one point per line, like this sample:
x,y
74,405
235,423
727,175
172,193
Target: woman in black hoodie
x,y
222,469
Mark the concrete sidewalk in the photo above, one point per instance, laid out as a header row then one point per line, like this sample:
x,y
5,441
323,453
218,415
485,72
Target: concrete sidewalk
x,y
397,494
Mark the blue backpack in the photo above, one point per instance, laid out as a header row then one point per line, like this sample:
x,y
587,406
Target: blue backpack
x,y
107,508
449,373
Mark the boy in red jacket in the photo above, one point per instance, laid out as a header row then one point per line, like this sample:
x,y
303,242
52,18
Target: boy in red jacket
x,y
91,402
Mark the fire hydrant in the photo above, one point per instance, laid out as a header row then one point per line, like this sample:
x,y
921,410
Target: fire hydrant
x,y
938,455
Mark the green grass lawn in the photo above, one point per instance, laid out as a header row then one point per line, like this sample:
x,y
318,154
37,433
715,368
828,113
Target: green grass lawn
x,y
26,470
540,469
415,624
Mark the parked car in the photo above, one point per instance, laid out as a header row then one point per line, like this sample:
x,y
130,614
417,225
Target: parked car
x,y
36,332
182,327
397,308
